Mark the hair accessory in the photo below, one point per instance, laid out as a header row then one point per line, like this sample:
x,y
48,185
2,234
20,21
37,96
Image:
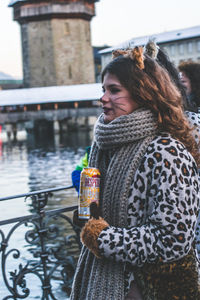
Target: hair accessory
x,y
136,54
151,49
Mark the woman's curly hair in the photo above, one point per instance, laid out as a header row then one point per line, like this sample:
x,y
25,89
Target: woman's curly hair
x,y
152,87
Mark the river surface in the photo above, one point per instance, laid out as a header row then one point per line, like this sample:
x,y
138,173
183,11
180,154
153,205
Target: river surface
x,y
29,165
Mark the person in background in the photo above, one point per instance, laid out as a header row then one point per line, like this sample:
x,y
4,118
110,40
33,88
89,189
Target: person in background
x,y
190,78
144,240
162,58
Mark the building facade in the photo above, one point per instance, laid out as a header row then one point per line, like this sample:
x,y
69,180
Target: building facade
x,y
181,45
56,41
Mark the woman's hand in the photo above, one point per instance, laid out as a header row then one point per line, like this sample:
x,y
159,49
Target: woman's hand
x,y
90,233
94,212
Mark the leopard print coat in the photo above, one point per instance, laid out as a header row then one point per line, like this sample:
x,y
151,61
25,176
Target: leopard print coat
x,y
162,213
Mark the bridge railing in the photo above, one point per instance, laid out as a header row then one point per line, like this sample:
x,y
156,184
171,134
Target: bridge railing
x,y
38,252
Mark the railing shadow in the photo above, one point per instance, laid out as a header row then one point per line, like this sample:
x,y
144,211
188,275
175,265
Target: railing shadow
x,y
49,253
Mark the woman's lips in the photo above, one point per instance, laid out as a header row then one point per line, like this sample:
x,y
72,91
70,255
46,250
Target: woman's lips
x,y
106,110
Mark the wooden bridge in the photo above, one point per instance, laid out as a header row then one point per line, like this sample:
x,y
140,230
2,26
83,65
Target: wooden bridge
x,y
60,105
50,103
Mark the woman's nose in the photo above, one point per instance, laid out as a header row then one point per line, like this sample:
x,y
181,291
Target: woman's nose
x,y
104,98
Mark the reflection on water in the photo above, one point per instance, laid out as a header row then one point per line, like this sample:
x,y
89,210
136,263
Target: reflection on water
x,y
39,164
32,165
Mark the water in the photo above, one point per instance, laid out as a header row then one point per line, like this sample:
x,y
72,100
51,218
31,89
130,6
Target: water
x,y
29,165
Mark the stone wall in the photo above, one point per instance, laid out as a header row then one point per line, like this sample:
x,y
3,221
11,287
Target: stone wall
x,y
57,52
73,54
38,54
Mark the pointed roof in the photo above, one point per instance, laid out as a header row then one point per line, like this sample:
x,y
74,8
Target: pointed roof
x,y
4,76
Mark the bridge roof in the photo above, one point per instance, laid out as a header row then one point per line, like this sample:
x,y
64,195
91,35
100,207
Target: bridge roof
x,y
52,94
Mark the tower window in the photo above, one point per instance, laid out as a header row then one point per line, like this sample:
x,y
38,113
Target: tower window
x,y
87,34
67,29
70,72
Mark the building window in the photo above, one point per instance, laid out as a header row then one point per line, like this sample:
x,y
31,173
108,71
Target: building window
x,y
67,29
198,46
172,49
181,48
190,47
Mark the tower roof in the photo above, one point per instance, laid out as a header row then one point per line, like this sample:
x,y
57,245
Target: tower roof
x,y
13,2
34,10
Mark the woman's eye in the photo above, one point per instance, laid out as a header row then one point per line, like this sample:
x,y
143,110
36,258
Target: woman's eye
x,y
114,91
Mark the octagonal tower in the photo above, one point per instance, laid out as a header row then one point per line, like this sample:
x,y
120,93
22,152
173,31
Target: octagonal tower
x,y
56,41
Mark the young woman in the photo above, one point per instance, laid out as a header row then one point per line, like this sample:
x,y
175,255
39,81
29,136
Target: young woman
x,y
142,245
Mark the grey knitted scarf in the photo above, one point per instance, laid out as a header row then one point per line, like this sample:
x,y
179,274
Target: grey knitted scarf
x,y
117,151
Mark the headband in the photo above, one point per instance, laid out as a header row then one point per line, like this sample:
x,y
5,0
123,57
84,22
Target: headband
x,y
136,54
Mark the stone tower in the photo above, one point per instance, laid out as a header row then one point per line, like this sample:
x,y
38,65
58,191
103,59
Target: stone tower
x,y
56,42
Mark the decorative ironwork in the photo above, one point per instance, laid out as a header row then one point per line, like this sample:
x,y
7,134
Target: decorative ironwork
x,y
53,244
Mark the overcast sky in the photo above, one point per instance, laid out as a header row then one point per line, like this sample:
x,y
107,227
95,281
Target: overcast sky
x,y
115,21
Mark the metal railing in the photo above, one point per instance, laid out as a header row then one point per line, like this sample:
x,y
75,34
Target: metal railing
x,y
53,246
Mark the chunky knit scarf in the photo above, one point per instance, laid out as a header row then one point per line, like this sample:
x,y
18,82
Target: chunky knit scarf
x,y
117,151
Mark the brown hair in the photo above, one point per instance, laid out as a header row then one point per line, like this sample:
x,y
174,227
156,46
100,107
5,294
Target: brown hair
x,y
152,87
